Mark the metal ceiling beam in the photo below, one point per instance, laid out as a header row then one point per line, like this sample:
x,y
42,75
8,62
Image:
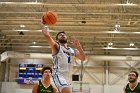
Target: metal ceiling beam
x,y
74,13
114,58
61,19
80,32
24,4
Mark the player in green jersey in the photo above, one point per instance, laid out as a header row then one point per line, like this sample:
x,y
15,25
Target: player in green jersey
x,y
133,86
44,85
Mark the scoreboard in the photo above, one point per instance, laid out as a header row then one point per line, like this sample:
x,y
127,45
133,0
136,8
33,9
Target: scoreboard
x,y
28,73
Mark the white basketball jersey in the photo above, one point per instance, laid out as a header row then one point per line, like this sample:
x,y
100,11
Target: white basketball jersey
x,y
62,61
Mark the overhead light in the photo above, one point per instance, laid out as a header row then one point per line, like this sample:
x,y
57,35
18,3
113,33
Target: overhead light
x,y
117,25
21,30
117,28
40,46
22,26
34,42
127,4
109,45
36,46
131,44
122,48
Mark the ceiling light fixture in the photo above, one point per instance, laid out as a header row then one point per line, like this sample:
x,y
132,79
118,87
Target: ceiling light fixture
x,y
127,4
22,30
117,28
121,48
34,42
36,46
131,44
22,26
109,45
40,46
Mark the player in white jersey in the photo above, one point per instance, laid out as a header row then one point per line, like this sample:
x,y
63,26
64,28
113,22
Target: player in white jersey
x,y
62,58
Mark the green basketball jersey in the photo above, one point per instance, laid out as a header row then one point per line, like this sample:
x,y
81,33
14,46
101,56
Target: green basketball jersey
x,y
43,89
136,90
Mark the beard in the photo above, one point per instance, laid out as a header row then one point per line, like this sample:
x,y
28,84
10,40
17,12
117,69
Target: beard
x,y
132,80
63,41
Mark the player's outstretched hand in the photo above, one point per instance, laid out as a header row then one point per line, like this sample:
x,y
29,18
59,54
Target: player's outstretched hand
x,y
75,42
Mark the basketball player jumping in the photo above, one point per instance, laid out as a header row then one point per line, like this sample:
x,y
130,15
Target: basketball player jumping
x,y
133,86
62,58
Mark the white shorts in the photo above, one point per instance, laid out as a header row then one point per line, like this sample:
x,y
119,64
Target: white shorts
x,y
60,79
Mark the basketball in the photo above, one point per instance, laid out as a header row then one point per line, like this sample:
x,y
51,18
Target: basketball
x,y
49,18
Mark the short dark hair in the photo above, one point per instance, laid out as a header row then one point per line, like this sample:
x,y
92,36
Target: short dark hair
x,y
46,68
135,73
59,33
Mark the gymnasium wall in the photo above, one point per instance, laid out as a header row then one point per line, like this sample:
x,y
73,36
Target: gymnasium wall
x,y
13,87
93,76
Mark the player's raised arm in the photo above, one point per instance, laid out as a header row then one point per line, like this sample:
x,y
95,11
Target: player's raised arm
x,y
79,53
51,42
